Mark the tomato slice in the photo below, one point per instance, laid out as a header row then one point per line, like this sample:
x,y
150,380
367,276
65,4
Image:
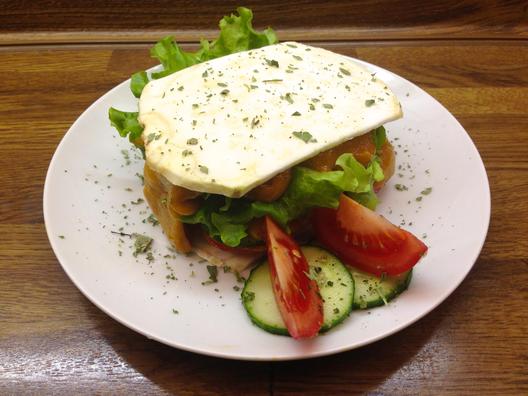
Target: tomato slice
x,y
365,228
297,295
236,250
365,240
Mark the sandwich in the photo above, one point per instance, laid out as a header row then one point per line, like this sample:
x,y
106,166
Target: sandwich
x,y
234,139
254,148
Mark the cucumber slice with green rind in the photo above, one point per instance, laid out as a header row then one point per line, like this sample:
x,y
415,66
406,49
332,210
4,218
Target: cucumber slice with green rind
x,y
335,282
371,291
336,286
259,301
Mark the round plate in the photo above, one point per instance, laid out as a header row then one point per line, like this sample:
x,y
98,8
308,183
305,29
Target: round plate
x,y
93,192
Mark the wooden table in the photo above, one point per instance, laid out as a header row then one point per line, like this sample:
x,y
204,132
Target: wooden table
x,y
472,56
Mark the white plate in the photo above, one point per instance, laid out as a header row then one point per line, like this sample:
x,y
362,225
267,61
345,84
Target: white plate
x,y
82,204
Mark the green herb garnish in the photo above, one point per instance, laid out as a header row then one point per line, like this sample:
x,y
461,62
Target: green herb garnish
x,y
272,62
427,191
304,136
248,296
152,220
213,272
142,244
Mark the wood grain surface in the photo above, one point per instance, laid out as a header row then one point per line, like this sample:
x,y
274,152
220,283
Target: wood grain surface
x,y
55,21
54,341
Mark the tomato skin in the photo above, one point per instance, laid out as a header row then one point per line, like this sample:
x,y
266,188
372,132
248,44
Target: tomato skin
x,y
297,295
398,259
365,228
235,250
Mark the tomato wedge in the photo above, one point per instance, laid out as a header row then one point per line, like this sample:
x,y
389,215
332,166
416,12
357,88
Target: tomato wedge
x,y
367,229
235,250
366,240
297,295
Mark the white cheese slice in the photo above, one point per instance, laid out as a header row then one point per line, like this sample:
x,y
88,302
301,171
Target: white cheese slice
x,y
230,124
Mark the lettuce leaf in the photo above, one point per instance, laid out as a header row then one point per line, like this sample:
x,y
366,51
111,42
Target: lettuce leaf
x,y
138,82
380,137
308,188
172,57
126,123
236,34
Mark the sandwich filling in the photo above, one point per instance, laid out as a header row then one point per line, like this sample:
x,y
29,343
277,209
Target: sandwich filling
x,y
174,205
272,131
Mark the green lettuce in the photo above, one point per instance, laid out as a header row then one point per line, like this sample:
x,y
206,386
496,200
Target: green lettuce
x,y
138,82
126,123
228,220
369,198
236,34
380,137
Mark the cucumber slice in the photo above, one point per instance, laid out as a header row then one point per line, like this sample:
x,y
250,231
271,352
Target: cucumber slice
x,y
371,291
259,301
336,286
335,282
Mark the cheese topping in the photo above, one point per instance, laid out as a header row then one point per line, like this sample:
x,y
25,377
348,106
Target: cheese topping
x,y
227,125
